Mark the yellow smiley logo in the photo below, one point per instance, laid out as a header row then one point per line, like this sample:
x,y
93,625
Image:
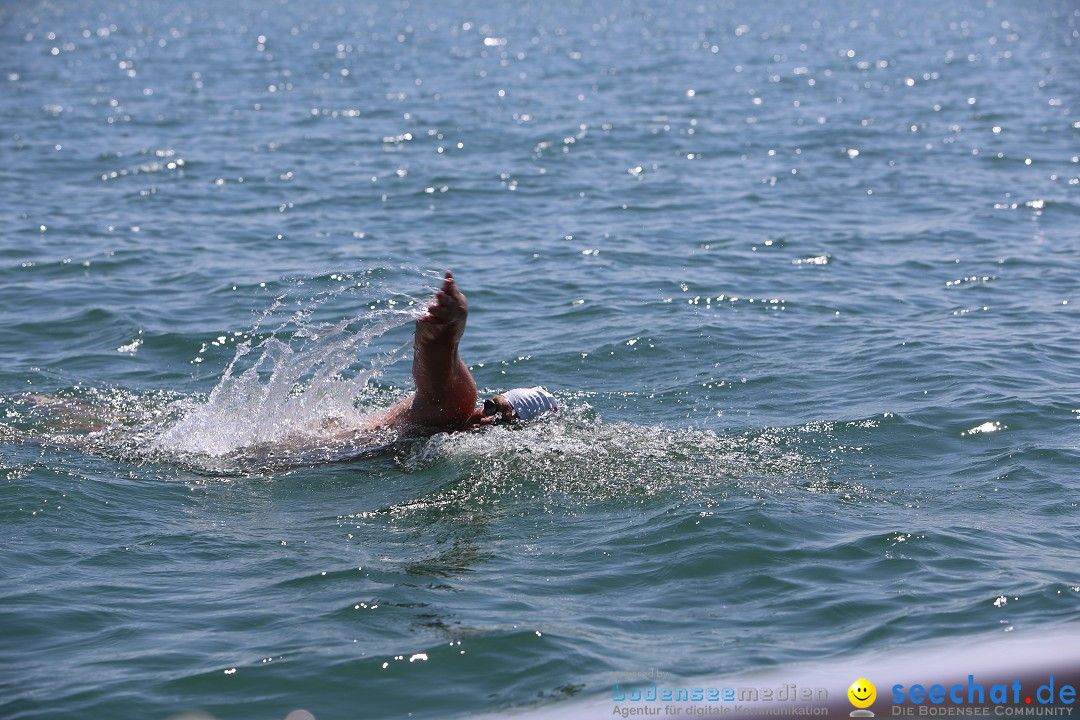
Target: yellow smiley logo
x,y
862,693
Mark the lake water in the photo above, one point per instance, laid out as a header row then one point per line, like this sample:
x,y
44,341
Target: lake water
x,y
803,275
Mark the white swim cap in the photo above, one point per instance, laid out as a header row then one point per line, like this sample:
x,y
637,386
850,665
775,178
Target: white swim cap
x,y
530,402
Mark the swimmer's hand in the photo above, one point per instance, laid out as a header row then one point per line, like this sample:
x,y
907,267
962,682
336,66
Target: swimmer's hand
x,y
445,318
489,420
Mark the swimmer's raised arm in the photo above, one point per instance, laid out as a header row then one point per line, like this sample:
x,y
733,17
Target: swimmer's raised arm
x,y
445,396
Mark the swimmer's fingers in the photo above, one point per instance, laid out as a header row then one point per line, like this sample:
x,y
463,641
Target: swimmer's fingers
x,y
451,293
450,302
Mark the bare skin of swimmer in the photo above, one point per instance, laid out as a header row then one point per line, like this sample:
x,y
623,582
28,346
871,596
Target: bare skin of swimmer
x,y
445,397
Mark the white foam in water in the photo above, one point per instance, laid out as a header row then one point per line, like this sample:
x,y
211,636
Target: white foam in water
x,y
306,381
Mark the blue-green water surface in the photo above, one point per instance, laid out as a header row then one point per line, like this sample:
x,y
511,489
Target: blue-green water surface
x,y
803,275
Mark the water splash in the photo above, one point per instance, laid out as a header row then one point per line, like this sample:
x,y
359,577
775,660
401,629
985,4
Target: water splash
x,y
302,392
304,387
576,459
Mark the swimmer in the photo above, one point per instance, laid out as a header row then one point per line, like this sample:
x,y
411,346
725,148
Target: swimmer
x,y
445,400
445,397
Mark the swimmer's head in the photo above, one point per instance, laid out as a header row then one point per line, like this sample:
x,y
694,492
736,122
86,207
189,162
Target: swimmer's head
x,y
498,408
518,404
